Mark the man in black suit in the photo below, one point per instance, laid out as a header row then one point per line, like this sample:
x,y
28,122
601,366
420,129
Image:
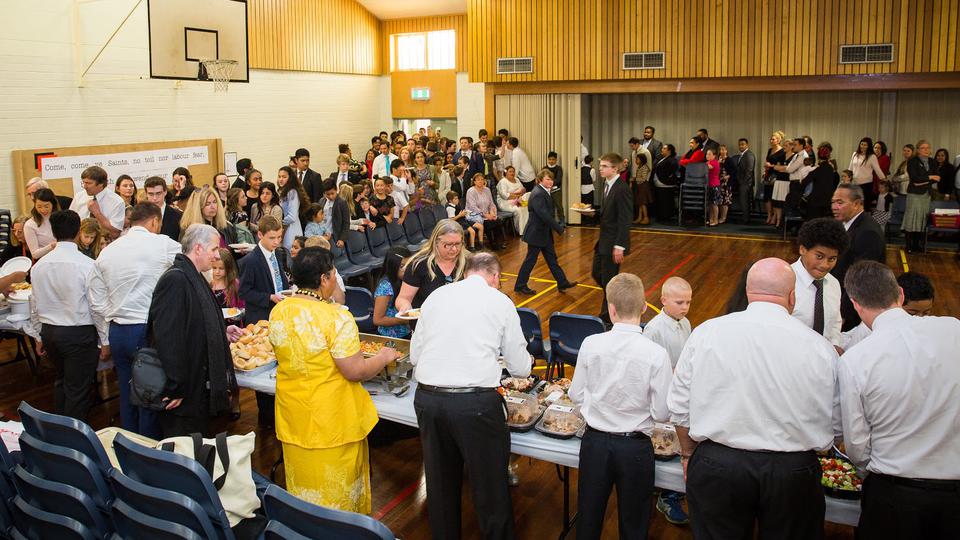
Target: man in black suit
x,y
243,167
746,165
652,145
474,158
706,143
539,236
866,242
343,174
615,215
261,280
310,179
156,190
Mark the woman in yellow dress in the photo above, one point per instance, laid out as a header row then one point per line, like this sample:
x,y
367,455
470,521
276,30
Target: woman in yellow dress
x,y
323,414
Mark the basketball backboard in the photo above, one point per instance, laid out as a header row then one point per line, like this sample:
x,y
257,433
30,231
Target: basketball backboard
x,y
183,32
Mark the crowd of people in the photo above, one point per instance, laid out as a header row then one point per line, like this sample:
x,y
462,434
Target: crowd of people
x,y
811,353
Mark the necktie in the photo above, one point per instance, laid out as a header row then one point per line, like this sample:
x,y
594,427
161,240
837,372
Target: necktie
x,y
606,190
277,280
388,163
343,178
300,177
818,307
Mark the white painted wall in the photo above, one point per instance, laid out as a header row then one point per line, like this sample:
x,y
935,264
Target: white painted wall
x,y
265,120
470,106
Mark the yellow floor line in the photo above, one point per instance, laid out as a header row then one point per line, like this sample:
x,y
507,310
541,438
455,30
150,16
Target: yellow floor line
x,y
538,295
699,235
653,307
903,260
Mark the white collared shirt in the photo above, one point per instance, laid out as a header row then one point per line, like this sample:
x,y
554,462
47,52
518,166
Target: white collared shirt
x,y
444,355
757,380
669,333
900,396
523,165
274,273
111,205
846,224
126,272
380,164
621,381
61,293
806,293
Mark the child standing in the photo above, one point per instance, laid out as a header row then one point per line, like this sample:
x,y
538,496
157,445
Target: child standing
x,y
884,203
621,385
90,238
846,176
453,202
317,225
670,329
713,187
226,281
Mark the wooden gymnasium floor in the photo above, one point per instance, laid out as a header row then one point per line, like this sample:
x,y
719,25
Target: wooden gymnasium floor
x,y
710,262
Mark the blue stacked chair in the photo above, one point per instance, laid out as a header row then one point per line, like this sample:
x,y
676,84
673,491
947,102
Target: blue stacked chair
x,y
345,267
360,303
427,220
439,211
358,252
411,228
316,522
532,332
397,237
160,504
567,332
66,432
31,523
63,499
278,531
378,242
133,524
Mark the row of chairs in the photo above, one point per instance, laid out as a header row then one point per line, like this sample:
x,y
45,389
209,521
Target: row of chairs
x,y
567,332
61,485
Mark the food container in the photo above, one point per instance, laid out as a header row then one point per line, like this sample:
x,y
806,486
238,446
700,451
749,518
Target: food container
x,y
19,307
839,479
396,374
523,411
257,370
666,444
561,421
520,384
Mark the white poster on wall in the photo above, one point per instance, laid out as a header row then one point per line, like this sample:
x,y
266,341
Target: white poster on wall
x,y
139,165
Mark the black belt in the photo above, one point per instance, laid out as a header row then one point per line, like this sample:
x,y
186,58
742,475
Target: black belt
x,y
630,434
454,389
920,483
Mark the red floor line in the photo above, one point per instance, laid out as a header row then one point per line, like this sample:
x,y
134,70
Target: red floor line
x,y
402,496
656,285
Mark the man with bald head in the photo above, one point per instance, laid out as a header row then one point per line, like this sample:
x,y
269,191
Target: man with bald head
x,y
753,397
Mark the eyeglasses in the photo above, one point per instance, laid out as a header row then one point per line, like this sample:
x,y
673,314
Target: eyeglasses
x,y
448,245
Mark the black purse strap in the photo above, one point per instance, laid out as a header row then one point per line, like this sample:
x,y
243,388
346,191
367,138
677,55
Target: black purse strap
x,y
206,455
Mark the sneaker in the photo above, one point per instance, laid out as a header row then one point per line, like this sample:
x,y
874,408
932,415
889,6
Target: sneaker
x,y
670,504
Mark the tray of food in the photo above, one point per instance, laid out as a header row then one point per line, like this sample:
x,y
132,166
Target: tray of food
x,y
520,384
561,420
666,445
553,390
581,207
253,352
396,374
523,411
840,478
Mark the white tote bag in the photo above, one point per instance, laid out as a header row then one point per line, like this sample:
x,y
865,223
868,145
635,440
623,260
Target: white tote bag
x,y
227,459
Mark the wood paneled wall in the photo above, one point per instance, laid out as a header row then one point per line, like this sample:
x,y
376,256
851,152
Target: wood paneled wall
x,y
427,24
584,39
332,36
443,94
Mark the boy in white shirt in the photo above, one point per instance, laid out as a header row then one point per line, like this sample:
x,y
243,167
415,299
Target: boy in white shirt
x,y
620,383
670,329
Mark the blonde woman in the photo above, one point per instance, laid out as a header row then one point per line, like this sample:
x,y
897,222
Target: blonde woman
x,y
204,206
776,155
440,261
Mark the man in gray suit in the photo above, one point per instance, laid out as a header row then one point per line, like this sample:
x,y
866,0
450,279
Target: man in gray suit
x,y
746,163
652,145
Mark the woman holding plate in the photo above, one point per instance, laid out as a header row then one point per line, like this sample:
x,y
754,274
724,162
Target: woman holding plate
x,y
440,261
323,413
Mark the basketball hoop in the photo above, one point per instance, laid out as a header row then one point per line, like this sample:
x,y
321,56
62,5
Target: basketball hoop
x,y
217,70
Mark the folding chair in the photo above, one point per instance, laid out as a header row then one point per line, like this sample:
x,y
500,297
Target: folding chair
x,y
67,432
358,252
531,326
343,264
67,466
411,228
377,241
162,504
317,522
398,237
133,524
567,332
34,524
360,303
62,499
427,220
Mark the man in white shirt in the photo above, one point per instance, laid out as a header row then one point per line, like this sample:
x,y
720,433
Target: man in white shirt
x,y
121,288
460,413
70,330
621,385
521,162
95,200
381,163
821,241
900,397
398,190
753,397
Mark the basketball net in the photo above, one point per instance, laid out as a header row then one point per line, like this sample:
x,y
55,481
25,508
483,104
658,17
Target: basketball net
x,y
219,71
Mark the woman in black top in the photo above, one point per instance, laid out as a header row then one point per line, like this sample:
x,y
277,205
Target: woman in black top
x,y
664,182
819,185
776,155
440,261
922,170
946,171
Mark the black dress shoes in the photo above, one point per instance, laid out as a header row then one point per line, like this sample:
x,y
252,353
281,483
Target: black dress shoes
x,y
568,285
525,290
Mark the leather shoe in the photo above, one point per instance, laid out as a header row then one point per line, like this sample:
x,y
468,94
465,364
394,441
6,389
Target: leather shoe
x,y
525,290
569,285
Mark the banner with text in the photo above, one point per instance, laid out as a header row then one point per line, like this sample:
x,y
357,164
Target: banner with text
x,y
139,165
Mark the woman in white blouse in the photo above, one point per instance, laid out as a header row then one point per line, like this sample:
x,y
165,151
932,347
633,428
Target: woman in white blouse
x,y
509,192
37,231
864,164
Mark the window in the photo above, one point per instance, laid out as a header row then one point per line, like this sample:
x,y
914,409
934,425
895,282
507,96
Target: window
x,y
430,50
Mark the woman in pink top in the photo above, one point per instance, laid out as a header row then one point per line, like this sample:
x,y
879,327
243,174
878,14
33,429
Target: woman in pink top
x,y
713,187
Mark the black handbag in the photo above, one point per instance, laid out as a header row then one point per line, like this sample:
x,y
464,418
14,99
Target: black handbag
x,y
147,380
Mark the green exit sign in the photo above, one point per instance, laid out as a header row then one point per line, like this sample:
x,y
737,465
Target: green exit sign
x,y
420,94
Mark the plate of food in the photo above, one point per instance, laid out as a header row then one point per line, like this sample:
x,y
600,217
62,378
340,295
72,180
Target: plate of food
x,y
20,292
232,312
582,208
520,384
253,352
666,445
242,247
16,264
409,314
840,478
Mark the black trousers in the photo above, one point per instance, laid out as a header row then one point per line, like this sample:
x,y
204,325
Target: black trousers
x,y
603,271
728,490
458,430
745,193
557,197
178,426
607,461
74,352
890,510
664,206
549,255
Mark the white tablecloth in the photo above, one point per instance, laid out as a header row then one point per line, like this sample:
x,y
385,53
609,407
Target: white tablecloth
x,y
18,325
669,474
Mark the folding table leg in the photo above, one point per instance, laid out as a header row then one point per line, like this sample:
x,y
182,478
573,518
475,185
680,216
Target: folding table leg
x,y
568,522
